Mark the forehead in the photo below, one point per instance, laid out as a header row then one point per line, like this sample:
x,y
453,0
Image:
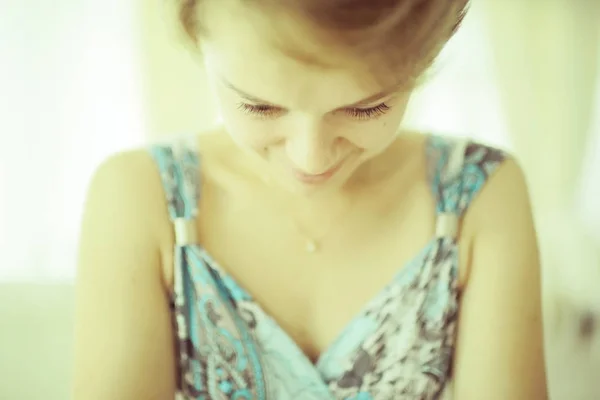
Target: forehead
x,y
239,49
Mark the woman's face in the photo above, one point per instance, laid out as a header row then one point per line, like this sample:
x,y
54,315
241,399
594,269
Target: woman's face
x,y
312,127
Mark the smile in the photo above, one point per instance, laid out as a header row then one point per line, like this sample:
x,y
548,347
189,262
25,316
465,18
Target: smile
x,y
317,178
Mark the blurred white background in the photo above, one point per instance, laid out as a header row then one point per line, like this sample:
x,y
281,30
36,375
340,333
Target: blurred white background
x,y
82,79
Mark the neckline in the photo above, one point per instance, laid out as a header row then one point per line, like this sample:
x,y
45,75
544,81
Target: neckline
x,y
407,273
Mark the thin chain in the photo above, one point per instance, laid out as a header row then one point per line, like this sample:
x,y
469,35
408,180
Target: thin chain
x,y
314,243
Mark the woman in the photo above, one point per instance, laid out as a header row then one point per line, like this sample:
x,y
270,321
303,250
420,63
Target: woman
x,y
310,248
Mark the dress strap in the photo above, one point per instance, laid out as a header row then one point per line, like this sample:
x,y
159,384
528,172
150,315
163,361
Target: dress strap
x,y
179,164
458,169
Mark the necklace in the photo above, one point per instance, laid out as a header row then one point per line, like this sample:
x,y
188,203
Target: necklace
x,y
312,243
311,246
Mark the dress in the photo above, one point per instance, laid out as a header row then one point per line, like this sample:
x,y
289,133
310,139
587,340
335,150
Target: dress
x,y
399,346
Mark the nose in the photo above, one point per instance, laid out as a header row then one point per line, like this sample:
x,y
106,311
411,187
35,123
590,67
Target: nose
x,y
311,147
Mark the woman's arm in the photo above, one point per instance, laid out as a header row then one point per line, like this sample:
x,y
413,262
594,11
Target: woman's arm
x,y
499,353
123,335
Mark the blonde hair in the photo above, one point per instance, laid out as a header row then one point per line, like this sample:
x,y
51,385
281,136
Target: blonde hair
x,y
397,39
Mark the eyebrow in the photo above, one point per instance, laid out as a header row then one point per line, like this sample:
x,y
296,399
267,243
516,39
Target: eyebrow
x,y
361,103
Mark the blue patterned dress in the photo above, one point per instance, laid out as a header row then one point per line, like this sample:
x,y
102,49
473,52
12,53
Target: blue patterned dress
x,y
399,347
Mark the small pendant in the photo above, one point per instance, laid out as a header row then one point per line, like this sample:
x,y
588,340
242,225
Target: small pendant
x,y
311,246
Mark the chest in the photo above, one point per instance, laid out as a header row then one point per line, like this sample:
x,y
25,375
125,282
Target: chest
x,y
314,296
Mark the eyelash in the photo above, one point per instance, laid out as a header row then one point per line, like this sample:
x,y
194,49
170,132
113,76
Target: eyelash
x,y
362,114
368,113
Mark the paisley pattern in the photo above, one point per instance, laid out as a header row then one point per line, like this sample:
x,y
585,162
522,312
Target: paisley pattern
x,y
399,347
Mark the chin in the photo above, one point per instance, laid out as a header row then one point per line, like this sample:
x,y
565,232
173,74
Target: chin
x,y
313,191
313,187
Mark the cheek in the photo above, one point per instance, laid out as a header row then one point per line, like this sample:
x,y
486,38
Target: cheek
x,y
247,131
376,135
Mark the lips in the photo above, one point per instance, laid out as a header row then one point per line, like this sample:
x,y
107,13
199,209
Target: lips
x,y
316,178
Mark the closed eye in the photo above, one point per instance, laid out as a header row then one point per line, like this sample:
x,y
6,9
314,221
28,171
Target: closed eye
x,y
260,110
368,113
268,111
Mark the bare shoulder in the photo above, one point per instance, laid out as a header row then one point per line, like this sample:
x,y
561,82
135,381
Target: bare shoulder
x,y
126,189
500,225
122,169
500,342
505,195
123,334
